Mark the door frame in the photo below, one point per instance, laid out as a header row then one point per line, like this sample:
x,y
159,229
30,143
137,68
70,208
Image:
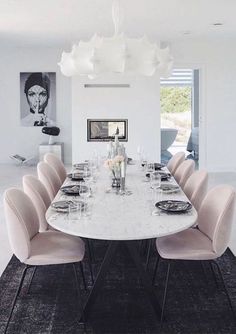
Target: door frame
x,y
202,108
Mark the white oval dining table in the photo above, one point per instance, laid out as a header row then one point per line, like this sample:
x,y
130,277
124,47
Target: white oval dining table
x,y
116,217
122,219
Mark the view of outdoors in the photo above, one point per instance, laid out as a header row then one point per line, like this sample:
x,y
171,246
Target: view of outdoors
x,y
176,111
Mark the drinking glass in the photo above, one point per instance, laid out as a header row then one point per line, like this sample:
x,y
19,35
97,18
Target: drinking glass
x,y
88,210
87,174
74,210
155,179
144,164
151,167
76,173
84,191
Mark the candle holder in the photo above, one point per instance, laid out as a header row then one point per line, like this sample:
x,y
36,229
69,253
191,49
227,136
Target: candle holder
x,y
116,182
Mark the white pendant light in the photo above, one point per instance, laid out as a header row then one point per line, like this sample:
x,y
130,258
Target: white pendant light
x,y
117,54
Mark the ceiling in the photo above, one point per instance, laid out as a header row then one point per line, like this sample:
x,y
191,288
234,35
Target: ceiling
x,y
63,22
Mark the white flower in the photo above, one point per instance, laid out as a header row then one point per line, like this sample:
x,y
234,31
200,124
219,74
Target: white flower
x,y
109,163
118,159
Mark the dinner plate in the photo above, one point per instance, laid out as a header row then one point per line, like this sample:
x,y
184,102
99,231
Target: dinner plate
x,y
174,206
76,177
164,176
81,165
71,189
63,206
169,188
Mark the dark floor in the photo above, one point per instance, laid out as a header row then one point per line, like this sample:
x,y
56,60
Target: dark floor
x,y
194,303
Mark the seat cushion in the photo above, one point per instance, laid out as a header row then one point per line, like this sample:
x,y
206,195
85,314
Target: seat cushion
x,y
52,247
190,244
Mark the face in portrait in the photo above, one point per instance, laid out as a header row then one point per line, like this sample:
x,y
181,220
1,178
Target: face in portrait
x,y
37,98
37,93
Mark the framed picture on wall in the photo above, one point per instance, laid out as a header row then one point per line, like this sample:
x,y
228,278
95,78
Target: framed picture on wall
x,y
38,98
106,129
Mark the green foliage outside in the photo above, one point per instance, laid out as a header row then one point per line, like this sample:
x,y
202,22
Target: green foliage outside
x,y
175,99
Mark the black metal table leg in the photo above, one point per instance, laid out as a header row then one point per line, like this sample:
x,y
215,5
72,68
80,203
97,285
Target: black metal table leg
x,y
146,280
101,274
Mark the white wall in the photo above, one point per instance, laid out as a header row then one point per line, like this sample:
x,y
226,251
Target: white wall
x,y
216,59
139,104
25,140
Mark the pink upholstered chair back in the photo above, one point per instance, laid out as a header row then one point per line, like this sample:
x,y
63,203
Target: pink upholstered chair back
x,y
175,161
195,187
183,172
49,178
57,164
40,198
22,222
215,216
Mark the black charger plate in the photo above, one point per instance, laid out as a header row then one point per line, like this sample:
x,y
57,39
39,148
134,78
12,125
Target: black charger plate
x,y
63,206
174,206
80,178
72,190
81,165
169,188
164,176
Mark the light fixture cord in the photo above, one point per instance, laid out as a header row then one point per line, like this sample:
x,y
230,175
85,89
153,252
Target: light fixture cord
x,y
117,16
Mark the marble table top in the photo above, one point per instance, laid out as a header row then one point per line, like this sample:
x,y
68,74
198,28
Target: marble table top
x,y
116,217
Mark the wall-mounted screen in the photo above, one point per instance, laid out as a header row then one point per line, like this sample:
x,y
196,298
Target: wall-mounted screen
x,y
106,129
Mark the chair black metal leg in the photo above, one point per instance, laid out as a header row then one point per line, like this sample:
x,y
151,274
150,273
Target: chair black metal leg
x,y
143,247
214,274
148,254
91,271
79,294
165,291
90,259
82,274
156,269
224,286
16,295
140,245
91,251
31,279
204,272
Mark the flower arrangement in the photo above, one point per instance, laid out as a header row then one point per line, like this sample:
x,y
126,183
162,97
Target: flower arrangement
x,y
114,164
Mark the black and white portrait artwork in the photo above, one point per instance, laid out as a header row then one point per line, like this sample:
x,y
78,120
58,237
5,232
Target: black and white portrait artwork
x,y
38,98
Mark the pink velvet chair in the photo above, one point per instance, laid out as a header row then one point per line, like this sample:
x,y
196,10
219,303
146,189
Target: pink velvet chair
x,y
57,164
48,176
34,188
175,161
195,187
183,172
35,249
209,241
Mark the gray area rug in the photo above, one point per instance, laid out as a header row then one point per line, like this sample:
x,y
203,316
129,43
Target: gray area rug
x,y
194,303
